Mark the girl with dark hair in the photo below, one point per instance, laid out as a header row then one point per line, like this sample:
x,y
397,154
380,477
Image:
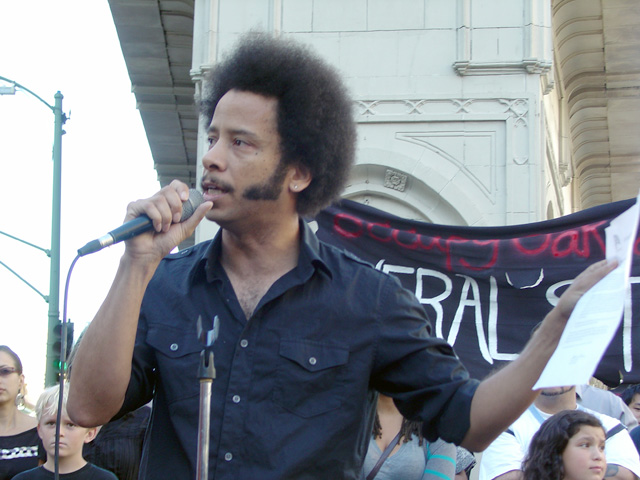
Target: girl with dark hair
x,y
19,441
568,446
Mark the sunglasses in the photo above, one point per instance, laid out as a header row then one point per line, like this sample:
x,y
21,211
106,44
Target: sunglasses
x,y
6,371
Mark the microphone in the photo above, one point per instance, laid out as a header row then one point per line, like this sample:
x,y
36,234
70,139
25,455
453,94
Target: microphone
x,y
138,225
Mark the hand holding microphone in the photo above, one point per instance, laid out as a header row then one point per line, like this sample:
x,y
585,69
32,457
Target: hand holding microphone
x,y
139,225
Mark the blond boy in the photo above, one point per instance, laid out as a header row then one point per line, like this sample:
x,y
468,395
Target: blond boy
x,y
71,464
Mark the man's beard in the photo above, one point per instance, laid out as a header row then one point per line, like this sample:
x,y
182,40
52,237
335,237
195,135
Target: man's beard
x,y
270,189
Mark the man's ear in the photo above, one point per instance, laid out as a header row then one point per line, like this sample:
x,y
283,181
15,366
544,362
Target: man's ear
x,y
38,428
91,434
299,178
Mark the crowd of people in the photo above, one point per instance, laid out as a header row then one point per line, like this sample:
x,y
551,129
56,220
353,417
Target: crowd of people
x,y
326,368
556,438
27,434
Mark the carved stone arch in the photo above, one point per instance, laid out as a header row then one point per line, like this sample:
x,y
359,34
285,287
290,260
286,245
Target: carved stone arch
x,y
387,181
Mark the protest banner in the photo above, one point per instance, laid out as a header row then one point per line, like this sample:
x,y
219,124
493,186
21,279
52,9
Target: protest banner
x,y
485,288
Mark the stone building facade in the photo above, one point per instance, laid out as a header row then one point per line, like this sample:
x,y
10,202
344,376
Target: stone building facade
x,y
470,112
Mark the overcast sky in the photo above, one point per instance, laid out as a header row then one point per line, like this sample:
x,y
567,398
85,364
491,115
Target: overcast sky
x,y
68,46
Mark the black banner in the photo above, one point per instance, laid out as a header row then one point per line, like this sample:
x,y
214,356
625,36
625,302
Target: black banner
x,y
485,288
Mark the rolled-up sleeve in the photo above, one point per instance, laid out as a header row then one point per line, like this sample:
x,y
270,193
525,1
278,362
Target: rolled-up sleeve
x,y
142,382
420,371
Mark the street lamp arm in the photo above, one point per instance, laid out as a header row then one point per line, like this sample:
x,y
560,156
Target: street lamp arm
x,y
54,273
44,297
22,87
45,250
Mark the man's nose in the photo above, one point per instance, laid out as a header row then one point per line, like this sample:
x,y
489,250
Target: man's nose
x,y
215,157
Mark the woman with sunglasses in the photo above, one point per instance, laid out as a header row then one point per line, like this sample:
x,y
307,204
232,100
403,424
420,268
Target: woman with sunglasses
x,y
19,441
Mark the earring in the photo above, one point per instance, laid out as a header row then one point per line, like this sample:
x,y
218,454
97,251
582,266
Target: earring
x,y
20,401
295,187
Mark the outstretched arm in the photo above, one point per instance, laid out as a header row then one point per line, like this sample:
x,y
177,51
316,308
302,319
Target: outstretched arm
x,y
102,364
502,397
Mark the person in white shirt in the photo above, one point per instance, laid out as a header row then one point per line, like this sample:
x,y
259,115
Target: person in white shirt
x,y
606,402
503,458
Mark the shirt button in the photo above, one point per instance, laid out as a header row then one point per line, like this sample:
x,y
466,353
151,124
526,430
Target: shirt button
x,y
244,342
313,360
174,347
228,456
236,399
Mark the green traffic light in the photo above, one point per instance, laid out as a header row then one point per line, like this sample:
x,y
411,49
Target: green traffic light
x,y
57,366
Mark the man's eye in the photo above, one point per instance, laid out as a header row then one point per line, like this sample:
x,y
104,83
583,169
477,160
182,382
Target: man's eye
x,y
237,142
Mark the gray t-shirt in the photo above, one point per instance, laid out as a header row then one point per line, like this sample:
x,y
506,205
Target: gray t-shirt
x,y
435,461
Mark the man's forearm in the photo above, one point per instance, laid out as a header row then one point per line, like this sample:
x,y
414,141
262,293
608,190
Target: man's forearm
x,y
101,368
501,398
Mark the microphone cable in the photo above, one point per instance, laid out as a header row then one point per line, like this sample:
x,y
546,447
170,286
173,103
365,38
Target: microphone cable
x,y
64,369
129,229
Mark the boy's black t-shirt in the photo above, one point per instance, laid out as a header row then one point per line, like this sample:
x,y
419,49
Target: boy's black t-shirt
x,y
88,472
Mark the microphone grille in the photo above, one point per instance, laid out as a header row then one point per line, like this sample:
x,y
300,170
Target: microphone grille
x,y
190,206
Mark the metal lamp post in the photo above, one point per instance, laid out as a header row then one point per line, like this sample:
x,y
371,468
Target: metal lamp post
x,y
53,298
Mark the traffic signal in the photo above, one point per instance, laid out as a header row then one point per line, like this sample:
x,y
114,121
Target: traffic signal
x,y
58,364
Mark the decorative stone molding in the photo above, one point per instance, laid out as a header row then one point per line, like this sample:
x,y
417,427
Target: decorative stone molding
x,y
530,65
486,140
431,109
395,180
429,141
535,57
515,111
418,201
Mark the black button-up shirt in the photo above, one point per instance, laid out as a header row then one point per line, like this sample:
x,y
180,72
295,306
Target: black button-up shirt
x,y
294,395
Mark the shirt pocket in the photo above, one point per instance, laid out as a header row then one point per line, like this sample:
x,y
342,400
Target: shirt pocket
x,y
310,376
178,359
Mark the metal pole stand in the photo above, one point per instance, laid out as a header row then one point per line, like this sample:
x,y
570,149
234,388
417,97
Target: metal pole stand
x,y
206,374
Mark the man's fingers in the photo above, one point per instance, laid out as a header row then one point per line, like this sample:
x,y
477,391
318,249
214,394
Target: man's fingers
x,y
594,273
164,208
192,222
181,188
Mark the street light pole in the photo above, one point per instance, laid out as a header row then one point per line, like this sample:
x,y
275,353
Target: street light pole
x,y
53,298
54,272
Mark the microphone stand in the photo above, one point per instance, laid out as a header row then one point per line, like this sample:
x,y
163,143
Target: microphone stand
x,y
206,374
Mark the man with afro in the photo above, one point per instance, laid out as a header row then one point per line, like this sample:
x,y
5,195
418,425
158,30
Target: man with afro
x,y
308,333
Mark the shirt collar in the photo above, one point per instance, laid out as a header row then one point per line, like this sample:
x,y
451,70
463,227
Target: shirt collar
x,y
310,247
206,266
